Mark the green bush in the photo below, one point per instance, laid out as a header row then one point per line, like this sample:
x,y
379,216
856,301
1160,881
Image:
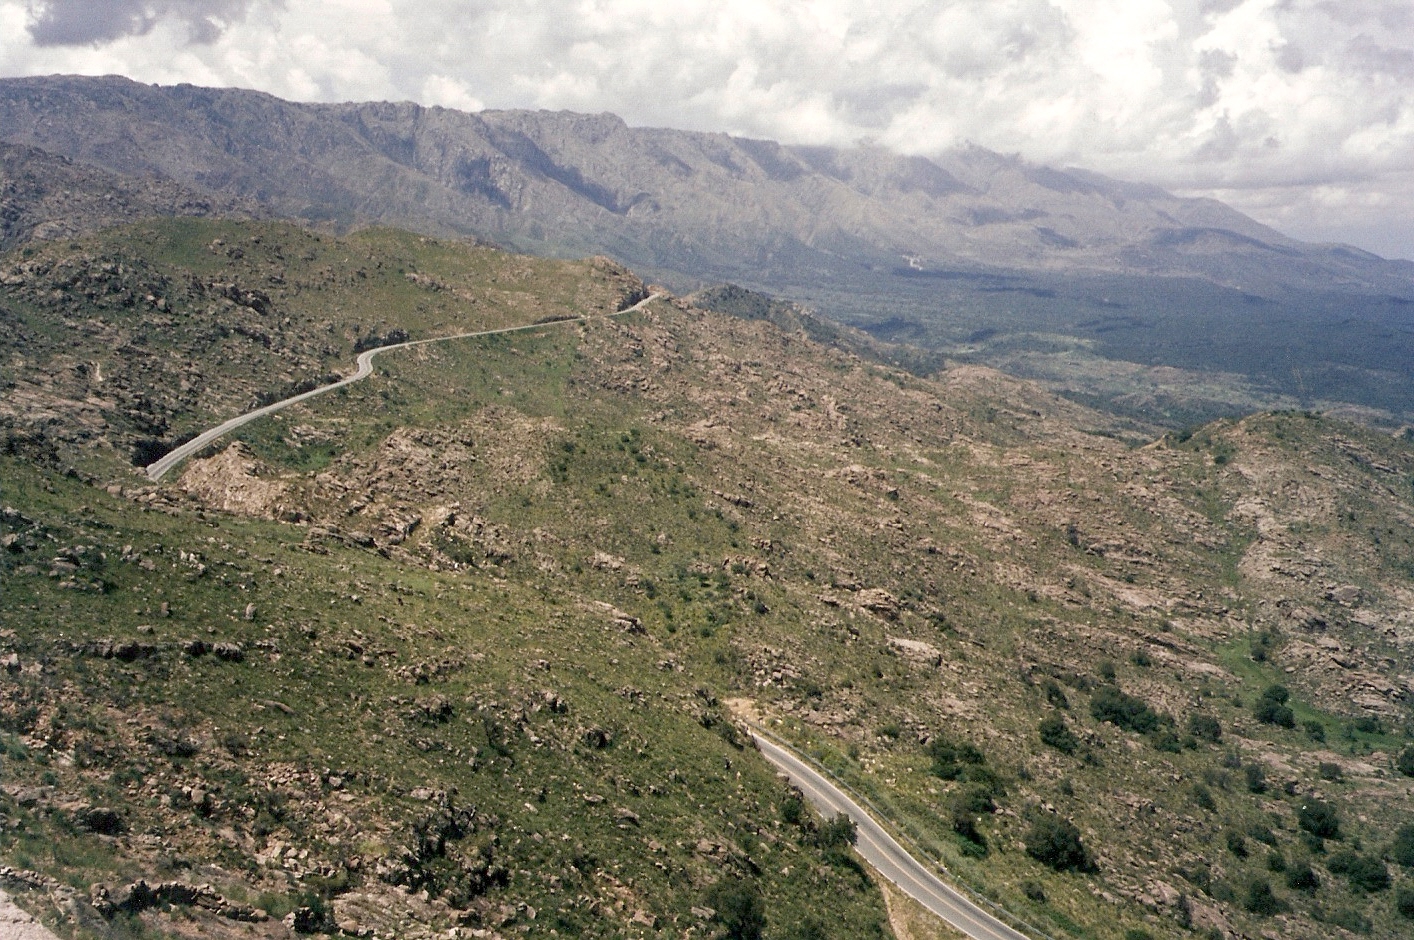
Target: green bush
x,y
1319,819
1056,734
837,834
1364,872
966,805
1404,902
1301,877
1056,842
1402,849
1271,707
739,909
1205,728
1256,778
1123,710
1236,843
951,761
1405,763
1278,715
1259,898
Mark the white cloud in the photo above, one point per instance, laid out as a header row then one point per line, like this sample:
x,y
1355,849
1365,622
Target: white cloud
x,y
1275,103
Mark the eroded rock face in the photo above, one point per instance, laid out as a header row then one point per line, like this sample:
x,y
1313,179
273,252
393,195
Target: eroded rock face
x,y
234,481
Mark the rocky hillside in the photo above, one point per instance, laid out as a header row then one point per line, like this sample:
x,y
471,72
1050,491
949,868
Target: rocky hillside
x,y
463,647
1061,275
43,196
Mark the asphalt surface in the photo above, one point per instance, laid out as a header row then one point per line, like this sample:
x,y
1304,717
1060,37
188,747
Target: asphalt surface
x,y
158,469
879,849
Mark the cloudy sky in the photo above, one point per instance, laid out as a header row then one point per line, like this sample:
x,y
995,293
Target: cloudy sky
x,y
1299,112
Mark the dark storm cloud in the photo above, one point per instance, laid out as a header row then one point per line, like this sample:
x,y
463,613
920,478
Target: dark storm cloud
x,y
94,22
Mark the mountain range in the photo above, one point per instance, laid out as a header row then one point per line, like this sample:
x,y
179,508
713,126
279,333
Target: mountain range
x,y
1097,287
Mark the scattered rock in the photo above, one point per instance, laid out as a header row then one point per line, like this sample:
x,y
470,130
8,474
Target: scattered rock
x,y
229,652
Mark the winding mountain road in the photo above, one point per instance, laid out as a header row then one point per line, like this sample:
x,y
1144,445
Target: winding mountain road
x,y
879,849
874,844
158,468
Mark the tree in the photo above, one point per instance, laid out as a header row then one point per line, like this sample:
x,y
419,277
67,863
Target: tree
x,y
1055,733
1405,763
1056,842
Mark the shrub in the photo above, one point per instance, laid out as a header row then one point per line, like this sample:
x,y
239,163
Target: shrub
x,y
1055,842
965,807
1369,724
1236,844
837,834
739,909
1405,763
1205,728
1259,899
1166,740
1404,902
1123,710
951,761
1319,819
1402,851
1055,694
1271,713
1203,797
1056,734
1271,707
1315,730
1301,877
1364,872
1256,778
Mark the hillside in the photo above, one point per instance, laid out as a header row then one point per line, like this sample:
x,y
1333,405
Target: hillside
x,y
1168,310
463,646
43,197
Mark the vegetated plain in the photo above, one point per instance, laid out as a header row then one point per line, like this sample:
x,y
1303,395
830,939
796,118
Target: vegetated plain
x,y
476,627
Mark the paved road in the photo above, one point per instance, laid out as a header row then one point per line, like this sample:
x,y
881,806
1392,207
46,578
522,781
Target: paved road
x,y
879,849
158,469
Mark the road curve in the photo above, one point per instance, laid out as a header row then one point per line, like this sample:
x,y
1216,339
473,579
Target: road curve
x,y
158,469
880,849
